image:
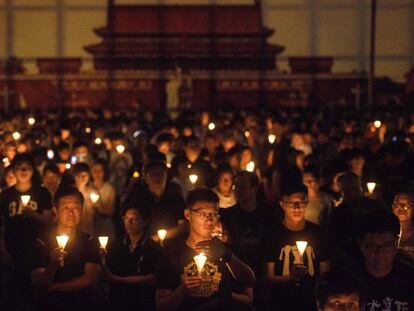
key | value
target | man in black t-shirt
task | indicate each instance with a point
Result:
(25, 211)
(181, 285)
(385, 283)
(63, 277)
(289, 274)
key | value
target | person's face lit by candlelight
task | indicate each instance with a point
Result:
(51, 180)
(68, 211)
(133, 222)
(311, 182)
(294, 206)
(10, 178)
(402, 207)
(23, 172)
(225, 182)
(203, 218)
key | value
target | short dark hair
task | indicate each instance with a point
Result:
(23, 158)
(314, 170)
(53, 168)
(153, 165)
(334, 283)
(67, 191)
(201, 195)
(143, 210)
(80, 168)
(294, 188)
(379, 221)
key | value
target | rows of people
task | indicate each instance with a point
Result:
(242, 189)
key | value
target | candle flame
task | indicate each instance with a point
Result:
(371, 186)
(103, 240)
(162, 233)
(200, 260)
(25, 199)
(62, 240)
(301, 246)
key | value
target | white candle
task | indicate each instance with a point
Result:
(371, 186)
(62, 240)
(377, 124)
(120, 148)
(250, 166)
(98, 141)
(211, 126)
(50, 154)
(301, 245)
(94, 197)
(162, 233)
(193, 178)
(103, 240)
(25, 199)
(16, 135)
(200, 260)
(88, 130)
(31, 121)
(271, 138)
(67, 166)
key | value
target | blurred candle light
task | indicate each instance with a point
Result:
(169, 165)
(193, 178)
(271, 138)
(6, 162)
(50, 154)
(62, 240)
(94, 197)
(98, 141)
(103, 240)
(31, 121)
(200, 260)
(135, 174)
(16, 135)
(250, 166)
(301, 245)
(88, 130)
(25, 199)
(377, 124)
(73, 160)
(371, 187)
(68, 166)
(120, 148)
(247, 134)
(211, 126)
(162, 233)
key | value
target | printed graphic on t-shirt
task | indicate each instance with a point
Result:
(17, 208)
(291, 252)
(387, 304)
(210, 275)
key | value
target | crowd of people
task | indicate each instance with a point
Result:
(231, 210)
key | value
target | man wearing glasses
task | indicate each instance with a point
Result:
(181, 285)
(385, 283)
(291, 276)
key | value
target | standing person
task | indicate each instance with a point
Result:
(51, 178)
(180, 286)
(105, 207)
(385, 283)
(20, 223)
(288, 274)
(68, 286)
(402, 207)
(131, 263)
(224, 187)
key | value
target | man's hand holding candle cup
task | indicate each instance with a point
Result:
(58, 254)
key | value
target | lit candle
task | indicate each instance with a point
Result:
(67, 166)
(247, 134)
(301, 245)
(31, 121)
(193, 178)
(62, 240)
(120, 148)
(16, 135)
(6, 162)
(135, 174)
(94, 197)
(50, 154)
(87, 130)
(371, 186)
(162, 233)
(250, 166)
(211, 126)
(169, 165)
(271, 138)
(98, 141)
(200, 260)
(377, 124)
(25, 199)
(73, 160)
(103, 240)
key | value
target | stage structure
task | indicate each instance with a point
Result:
(177, 57)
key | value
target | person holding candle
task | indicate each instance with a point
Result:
(20, 222)
(51, 178)
(131, 264)
(289, 274)
(67, 286)
(180, 286)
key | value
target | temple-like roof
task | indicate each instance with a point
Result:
(184, 19)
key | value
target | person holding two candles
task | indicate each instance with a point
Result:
(291, 272)
(25, 212)
(187, 283)
(63, 276)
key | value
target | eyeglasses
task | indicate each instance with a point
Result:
(296, 204)
(205, 215)
(387, 247)
(404, 206)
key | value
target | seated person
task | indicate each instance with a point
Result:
(131, 263)
(337, 291)
(63, 277)
(384, 282)
(181, 284)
